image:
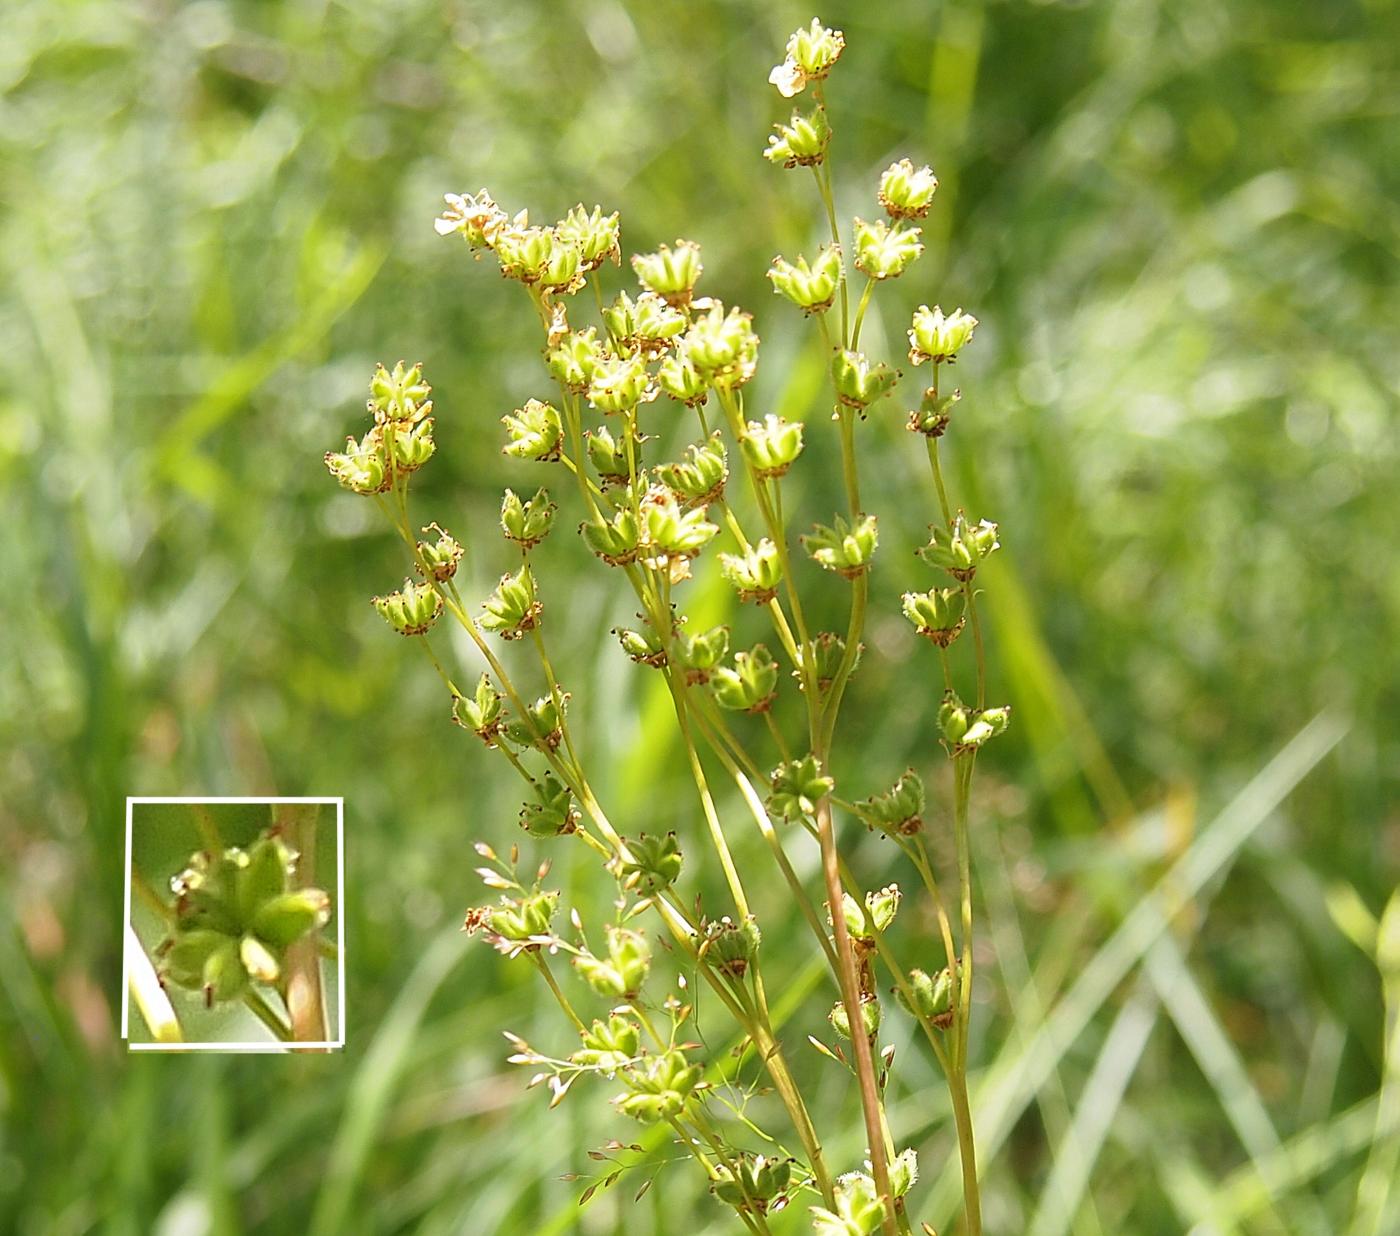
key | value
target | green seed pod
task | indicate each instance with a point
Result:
(263, 877)
(608, 455)
(755, 574)
(534, 432)
(609, 1045)
(411, 445)
(671, 273)
(440, 556)
(681, 380)
(937, 337)
(933, 414)
(616, 541)
(869, 1017)
(647, 325)
(961, 549)
(846, 548)
(527, 523)
(802, 142)
(624, 970)
(594, 234)
(811, 288)
(723, 347)
(620, 383)
(258, 961)
(642, 646)
(699, 479)
(937, 614)
(361, 467)
(772, 445)
(412, 610)
(898, 811)
(932, 997)
(285, 919)
(751, 686)
(401, 395)
(754, 1182)
(796, 787)
(482, 713)
(882, 906)
(732, 947)
(859, 1210)
(542, 726)
(655, 864)
(906, 192)
(904, 1172)
(224, 977)
(185, 954)
(858, 383)
(670, 532)
(884, 250)
(702, 653)
(523, 921)
(661, 1087)
(953, 718)
(524, 252)
(552, 812)
(512, 609)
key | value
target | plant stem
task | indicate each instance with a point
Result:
(305, 999)
(268, 1016)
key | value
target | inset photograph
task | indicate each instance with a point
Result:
(234, 935)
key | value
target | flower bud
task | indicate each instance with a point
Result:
(679, 378)
(512, 609)
(441, 556)
(898, 811)
(533, 432)
(796, 787)
(619, 384)
(772, 446)
(594, 235)
(907, 193)
(723, 347)
(668, 532)
(482, 712)
(754, 574)
(283, 920)
(846, 548)
(542, 725)
(574, 359)
(616, 541)
(858, 383)
(671, 273)
(412, 610)
(609, 1045)
(642, 646)
(802, 142)
(938, 338)
(934, 412)
(869, 1016)
(623, 972)
(608, 455)
(811, 288)
(527, 523)
(699, 478)
(648, 324)
(930, 998)
(653, 866)
(473, 216)
(751, 686)
(661, 1087)
(962, 549)
(401, 395)
(701, 654)
(361, 467)
(884, 250)
(551, 813)
(732, 947)
(936, 614)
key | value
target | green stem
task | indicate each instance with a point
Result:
(268, 1016)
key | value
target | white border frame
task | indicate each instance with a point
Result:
(273, 1047)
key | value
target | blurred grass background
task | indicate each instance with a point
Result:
(1178, 224)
